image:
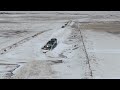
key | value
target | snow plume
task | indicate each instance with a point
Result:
(63, 36)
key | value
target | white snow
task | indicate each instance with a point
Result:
(104, 52)
(99, 31)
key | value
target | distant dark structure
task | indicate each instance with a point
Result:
(65, 25)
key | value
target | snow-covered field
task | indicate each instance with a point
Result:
(88, 47)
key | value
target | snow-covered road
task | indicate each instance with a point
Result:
(88, 46)
(103, 48)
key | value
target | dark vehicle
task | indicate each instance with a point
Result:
(62, 26)
(50, 45)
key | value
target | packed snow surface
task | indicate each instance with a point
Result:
(88, 44)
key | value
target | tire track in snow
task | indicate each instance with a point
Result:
(87, 57)
(13, 46)
(7, 49)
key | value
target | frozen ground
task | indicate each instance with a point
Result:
(88, 47)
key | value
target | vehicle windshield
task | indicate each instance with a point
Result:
(50, 44)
